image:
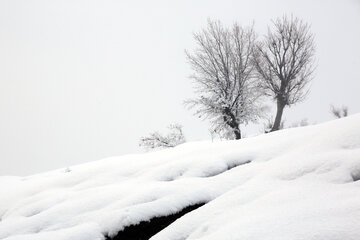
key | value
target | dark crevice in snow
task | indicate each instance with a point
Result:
(229, 167)
(355, 176)
(146, 229)
(233, 165)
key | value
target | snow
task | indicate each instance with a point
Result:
(299, 183)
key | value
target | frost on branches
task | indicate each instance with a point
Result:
(157, 140)
(223, 76)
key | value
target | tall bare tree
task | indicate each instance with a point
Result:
(223, 75)
(285, 62)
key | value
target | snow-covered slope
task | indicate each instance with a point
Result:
(299, 183)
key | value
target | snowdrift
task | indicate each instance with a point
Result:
(300, 183)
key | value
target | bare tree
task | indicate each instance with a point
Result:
(285, 62)
(223, 75)
(157, 140)
(339, 112)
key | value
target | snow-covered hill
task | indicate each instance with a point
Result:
(299, 183)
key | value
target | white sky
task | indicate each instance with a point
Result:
(83, 80)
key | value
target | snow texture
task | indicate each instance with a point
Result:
(299, 184)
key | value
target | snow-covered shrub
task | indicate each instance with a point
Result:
(158, 140)
(304, 122)
(268, 125)
(339, 112)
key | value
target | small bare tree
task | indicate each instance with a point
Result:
(285, 62)
(223, 74)
(339, 112)
(157, 140)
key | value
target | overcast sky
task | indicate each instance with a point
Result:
(83, 80)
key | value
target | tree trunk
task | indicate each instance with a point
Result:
(230, 120)
(279, 112)
(237, 133)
